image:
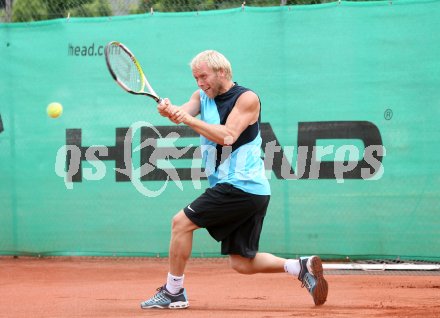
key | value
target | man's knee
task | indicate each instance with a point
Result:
(181, 223)
(241, 264)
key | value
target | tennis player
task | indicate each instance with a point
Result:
(233, 208)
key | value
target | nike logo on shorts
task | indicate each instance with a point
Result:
(189, 208)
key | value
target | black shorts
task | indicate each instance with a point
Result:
(231, 216)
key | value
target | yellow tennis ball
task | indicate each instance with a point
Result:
(54, 110)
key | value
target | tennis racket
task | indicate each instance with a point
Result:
(126, 70)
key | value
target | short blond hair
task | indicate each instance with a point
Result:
(214, 60)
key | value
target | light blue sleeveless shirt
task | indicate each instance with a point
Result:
(241, 164)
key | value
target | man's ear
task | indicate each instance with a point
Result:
(221, 73)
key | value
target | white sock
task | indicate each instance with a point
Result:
(174, 283)
(292, 267)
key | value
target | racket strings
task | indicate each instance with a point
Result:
(126, 70)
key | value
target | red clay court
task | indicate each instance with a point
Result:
(114, 287)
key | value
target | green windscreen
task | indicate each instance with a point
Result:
(350, 127)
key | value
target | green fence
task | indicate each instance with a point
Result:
(357, 82)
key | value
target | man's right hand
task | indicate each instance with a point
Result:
(164, 107)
